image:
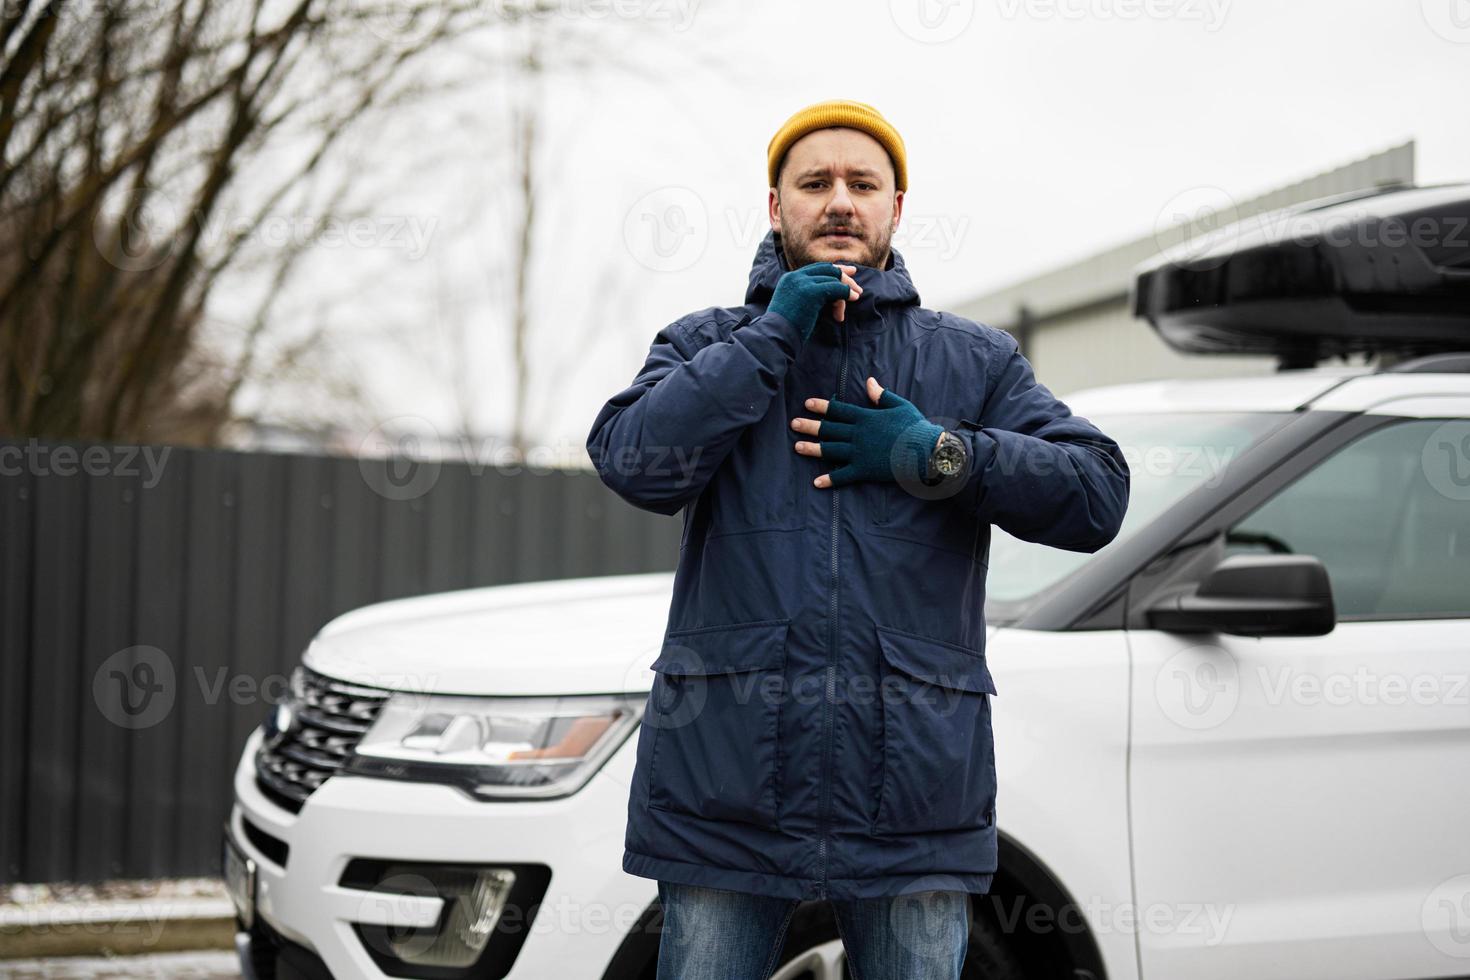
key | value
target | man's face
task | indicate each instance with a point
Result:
(836, 180)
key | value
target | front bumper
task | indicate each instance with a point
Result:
(590, 903)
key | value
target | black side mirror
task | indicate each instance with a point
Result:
(1253, 595)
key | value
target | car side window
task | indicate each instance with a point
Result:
(1388, 515)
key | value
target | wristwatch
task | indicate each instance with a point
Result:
(948, 458)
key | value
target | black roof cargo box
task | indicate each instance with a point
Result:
(1385, 271)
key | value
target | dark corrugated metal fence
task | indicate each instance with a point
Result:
(224, 564)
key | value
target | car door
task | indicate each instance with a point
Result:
(1300, 805)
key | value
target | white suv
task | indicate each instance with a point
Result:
(1234, 742)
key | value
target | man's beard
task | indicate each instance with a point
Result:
(799, 250)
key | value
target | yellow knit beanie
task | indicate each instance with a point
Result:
(839, 112)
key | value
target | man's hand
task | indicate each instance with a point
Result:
(839, 308)
(803, 293)
(887, 443)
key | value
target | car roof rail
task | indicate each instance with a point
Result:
(1454, 362)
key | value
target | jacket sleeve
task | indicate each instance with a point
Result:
(1037, 471)
(658, 442)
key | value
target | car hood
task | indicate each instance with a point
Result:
(570, 636)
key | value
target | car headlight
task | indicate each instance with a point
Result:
(497, 747)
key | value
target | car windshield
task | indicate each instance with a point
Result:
(1168, 455)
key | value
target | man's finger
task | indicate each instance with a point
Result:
(837, 452)
(829, 431)
(841, 476)
(840, 411)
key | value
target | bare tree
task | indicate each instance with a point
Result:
(132, 133)
(125, 129)
(550, 37)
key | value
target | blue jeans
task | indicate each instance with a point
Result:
(713, 934)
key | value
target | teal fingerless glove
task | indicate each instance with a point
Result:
(801, 294)
(890, 443)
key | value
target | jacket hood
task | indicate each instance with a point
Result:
(881, 287)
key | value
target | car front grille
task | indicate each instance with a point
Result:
(328, 719)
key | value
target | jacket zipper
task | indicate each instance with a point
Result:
(831, 684)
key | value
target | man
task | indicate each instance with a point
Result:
(819, 726)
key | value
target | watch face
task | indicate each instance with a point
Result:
(949, 457)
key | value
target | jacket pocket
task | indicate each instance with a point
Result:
(716, 709)
(942, 523)
(938, 756)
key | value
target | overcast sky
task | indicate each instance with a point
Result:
(1038, 131)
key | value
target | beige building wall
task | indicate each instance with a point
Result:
(1108, 346)
(1077, 330)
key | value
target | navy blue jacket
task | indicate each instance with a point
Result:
(820, 721)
